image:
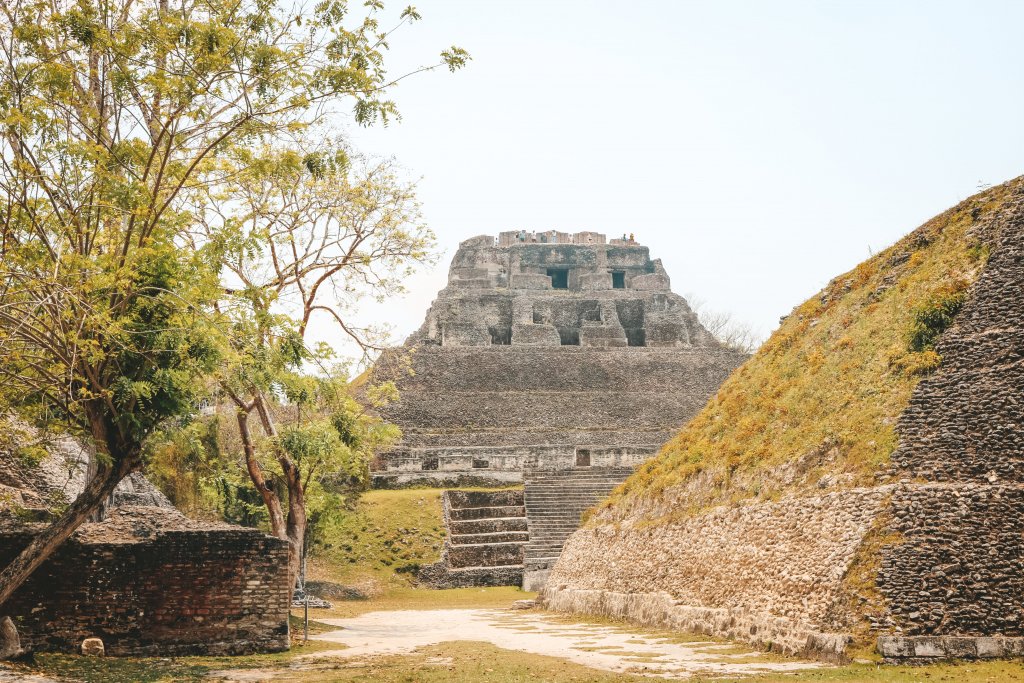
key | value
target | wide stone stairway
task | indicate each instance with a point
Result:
(555, 500)
(487, 536)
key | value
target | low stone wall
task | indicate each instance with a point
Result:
(198, 591)
(766, 573)
(661, 610)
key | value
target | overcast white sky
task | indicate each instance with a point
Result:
(758, 148)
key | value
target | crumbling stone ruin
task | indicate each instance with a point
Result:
(147, 580)
(564, 356)
(919, 553)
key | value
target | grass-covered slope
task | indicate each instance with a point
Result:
(382, 542)
(816, 406)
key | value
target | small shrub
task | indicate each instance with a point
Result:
(932, 319)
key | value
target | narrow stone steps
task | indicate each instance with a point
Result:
(460, 514)
(487, 525)
(555, 502)
(492, 537)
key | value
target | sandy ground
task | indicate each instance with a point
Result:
(610, 648)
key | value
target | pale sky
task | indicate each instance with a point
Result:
(758, 148)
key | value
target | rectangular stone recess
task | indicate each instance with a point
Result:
(501, 335)
(189, 592)
(636, 337)
(618, 279)
(570, 336)
(582, 457)
(559, 278)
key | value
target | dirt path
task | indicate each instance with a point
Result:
(611, 648)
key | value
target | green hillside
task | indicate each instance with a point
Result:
(816, 406)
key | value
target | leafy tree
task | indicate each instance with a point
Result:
(111, 113)
(303, 230)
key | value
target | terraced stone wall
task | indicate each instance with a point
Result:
(485, 539)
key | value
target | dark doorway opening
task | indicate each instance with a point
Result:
(636, 337)
(570, 336)
(582, 457)
(480, 464)
(501, 336)
(618, 280)
(559, 278)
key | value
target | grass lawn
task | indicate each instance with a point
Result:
(407, 597)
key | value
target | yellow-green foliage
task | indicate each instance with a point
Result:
(384, 538)
(823, 393)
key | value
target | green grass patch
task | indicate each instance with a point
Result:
(160, 669)
(382, 541)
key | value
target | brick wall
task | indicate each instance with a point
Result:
(210, 591)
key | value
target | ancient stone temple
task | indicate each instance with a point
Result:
(859, 483)
(562, 360)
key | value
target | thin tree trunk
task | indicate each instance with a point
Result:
(98, 489)
(93, 471)
(296, 519)
(295, 531)
(277, 525)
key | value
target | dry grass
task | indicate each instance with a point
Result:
(822, 395)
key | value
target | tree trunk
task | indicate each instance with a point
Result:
(277, 525)
(296, 518)
(98, 489)
(92, 472)
(295, 531)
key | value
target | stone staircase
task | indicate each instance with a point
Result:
(555, 500)
(486, 540)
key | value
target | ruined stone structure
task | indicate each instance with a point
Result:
(147, 580)
(555, 501)
(535, 350)
(553, 352)
(927, 562)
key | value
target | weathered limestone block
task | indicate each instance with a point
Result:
(93, 647)
(535, 335)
